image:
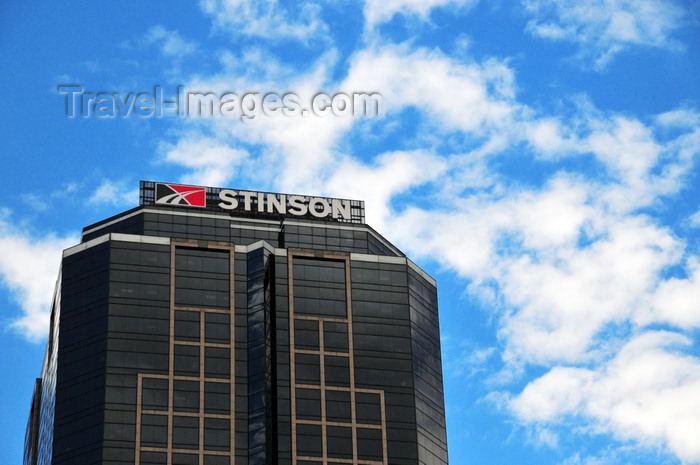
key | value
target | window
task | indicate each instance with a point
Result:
(217, 398)
(154, 430)
(217, 362)
(185, 396)
(337, 371)
(339, 442)
(368, 408)
(217, 328)
(186, 360)
(308, 404)
(338, 407)
(217, 460)
(308, 369)
(202, 278)
(217, 434)
(369, 444)
(319, 287)
(309, 440)
(153, 458)
(306, 334)
(154, 394)
(185, 432)
(185, 459)
(186, 326)
(335, 336)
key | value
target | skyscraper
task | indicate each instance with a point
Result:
(220, 327)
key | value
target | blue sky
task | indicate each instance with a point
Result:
(539, 158)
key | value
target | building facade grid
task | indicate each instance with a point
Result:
(358, 450)
(183, 336)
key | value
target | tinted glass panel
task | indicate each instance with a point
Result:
(308, 370)
(306, 334)
(339, 442)
(338, 407)
(309, 440)
(186, 360)
(217, 327)
(217, 363)
(153, 458)
(368, 408)
(154, 430)
(185, 432)
(185, 459)
(337, 370)
(217, 398)
(216, 434)
(319, 287)
(186, 326)
(369, 444)
(217, 460)
(154, 394)
(335, 336)
(185, 396)
(308, 404)
(202, 278)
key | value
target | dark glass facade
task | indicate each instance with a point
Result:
(186, 336)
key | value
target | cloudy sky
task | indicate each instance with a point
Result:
(539, 158)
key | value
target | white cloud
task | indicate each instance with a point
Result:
(296, 151)
(641, 161)
(680, 118)
(475, 98)
(171, 42)
(212, 162)
(675, 300)
(694, 219)
(604, 28)
(380, 11)
(266, 18)
(115, 193)
(28, 268)
(559, 392)
(393, 173)
(560, 293)
(46, 201)
(549, 138)
(303, 153)
(461, 360)
(646, 163)
(563, 303)
(606, 457)
(646, 394)
(626, 146)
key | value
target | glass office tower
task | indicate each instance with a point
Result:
(224, 327)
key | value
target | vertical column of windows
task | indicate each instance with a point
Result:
(333, 422)
(185, 417)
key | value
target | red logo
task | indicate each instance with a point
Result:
(176, 194)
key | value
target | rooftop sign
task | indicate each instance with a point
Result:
(252, 203)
